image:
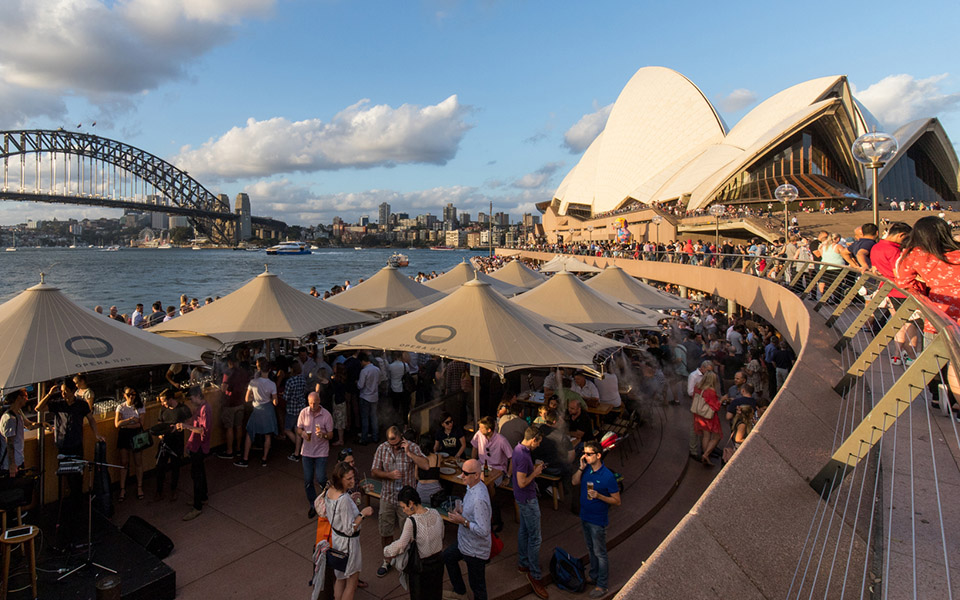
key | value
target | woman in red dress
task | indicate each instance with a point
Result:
(708, 429)
(930, 266)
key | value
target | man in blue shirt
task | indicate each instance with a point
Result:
(524, 478)
(473, 537)
(598, 491)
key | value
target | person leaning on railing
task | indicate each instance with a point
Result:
(930, 266)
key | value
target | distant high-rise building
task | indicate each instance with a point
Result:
(383, 218)
(502, 219)
(364, 220)
(464, 219)
(450, 216)
(242, 208)
(530, 220)
(426, 220)
(483, 218)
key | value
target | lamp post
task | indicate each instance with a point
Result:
(716, 210)
(786, 193)
(873, 150)
(656, 220)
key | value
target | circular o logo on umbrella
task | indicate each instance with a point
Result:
(87, 346)
(436, 334)
(561, 332)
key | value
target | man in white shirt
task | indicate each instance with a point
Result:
(585, 388)
(396, 369)
(609, 389)
(368, 383)
(693, 381)
(137, 318)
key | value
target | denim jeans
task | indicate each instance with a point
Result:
(476, 572)
(596, 538)
(314, 468)
(528, 537)
(368, 421)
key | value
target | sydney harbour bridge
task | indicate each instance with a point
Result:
(66, 167)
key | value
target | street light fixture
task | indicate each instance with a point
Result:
(786, 193)
(656, 220)
(873, 150)
(717, 210)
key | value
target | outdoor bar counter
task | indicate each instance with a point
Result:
(105, 428)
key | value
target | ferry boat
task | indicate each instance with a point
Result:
(398, 260)
(289, 248)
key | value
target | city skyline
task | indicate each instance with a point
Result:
(329, 109)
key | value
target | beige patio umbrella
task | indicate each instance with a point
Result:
(615, 282)
(518, 274)
(388, 291)
(478, 326)
(567, 299)
(46, 336)
(567, 263)
(262, 309)
(464, 272)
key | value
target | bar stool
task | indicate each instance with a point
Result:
(27, 539)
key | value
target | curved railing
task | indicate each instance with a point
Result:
(845, 487)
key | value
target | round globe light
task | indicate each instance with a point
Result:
(717, 209)
(874, 149)
(786, 193)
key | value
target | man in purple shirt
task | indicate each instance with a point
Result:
(494, 451)
(525, 493)
(315, 428)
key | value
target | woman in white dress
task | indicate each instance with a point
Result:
(345, 519)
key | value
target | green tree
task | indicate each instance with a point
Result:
(181, 235)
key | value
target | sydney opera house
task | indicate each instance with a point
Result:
(665, 143)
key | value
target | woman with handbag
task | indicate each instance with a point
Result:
(129, 420)
(706, 421)
(422, 539)
(345, 518)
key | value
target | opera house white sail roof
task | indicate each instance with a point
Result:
(665, 142)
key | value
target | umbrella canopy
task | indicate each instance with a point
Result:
(567, 263)
(264, 308)
(46, 336)
(567, 299)
(464, 272)
(389, 291)
(518, 274)
(616, 283)
(478, 326)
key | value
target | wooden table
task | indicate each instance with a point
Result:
(598, 412)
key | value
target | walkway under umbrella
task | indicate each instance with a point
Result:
(615, 282)
(518, 274)
(476, 325)
(567, 299)
(264, 308)
(388, 292)
(464, 272)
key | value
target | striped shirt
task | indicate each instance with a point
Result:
(295, 394)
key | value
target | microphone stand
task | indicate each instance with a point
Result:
(89, 561)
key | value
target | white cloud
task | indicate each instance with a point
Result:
(360, 136)
(584, 131)
(898, 99)
(736, 100)
(101, 49)
(538, 178)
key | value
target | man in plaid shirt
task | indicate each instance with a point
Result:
(295, 396)
(392, 464)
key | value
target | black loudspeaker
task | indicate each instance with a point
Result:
(148, 536)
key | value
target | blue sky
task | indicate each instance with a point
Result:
(319, 108)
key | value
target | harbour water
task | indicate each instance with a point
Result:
(123, 278)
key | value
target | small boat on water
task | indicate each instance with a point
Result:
(165, 246)
(358, 248)
(289, 248)
(113, 248)
(13, 248)
(398, 259)
(441, 248)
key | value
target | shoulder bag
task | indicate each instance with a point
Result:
(700, 407)
(338, 559)
(142, 441)
(413, 553)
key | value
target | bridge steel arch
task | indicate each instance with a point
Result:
(172, 182)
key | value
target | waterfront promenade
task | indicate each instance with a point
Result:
(253, 539)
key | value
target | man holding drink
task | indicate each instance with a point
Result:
(524, 480)
(599, 490)
(315, 428)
